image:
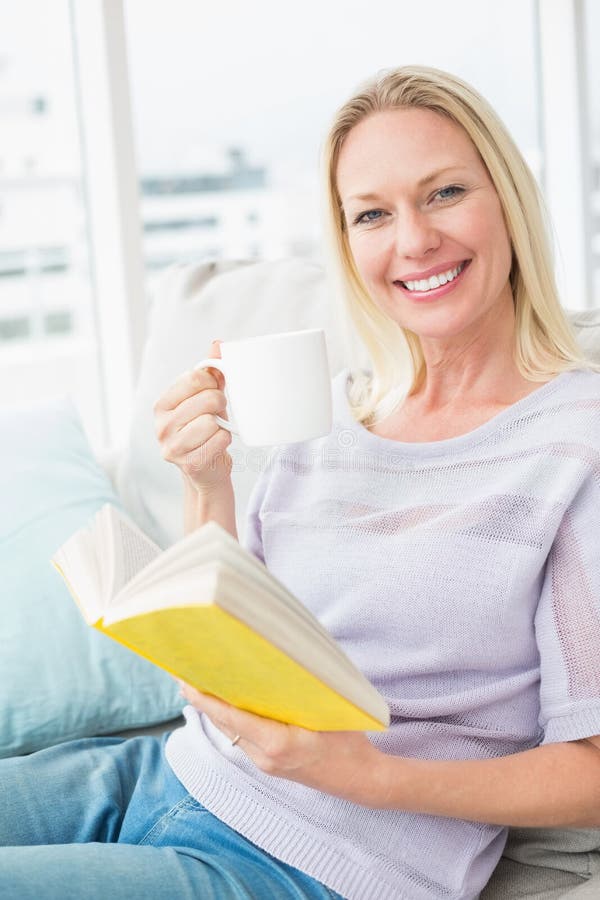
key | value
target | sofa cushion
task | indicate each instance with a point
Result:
(587, 327)
(193, 306)
(59, 678)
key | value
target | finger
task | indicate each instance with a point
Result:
(206, 700)
(215, 353)
(191, 424)
(199, 437)
(194, 437)
(218, 709)
(188, 384)
(211, 454)
(254, 729)
(209, 401)
(193, 381)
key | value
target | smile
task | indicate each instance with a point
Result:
(436, 285)
(428, 284)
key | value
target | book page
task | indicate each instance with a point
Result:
(129, 551)
(250, 593)
(215, 585)
(210, 543)
(207, 577)
(176, 573)
(209, 547)
(78, 563)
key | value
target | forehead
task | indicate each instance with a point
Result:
(405, 144)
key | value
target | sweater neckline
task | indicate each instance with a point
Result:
(447, 445)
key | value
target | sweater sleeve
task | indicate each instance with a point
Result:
(567, 623)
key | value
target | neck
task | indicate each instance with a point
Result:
(476, 368)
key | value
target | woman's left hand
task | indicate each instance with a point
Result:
(342, 763)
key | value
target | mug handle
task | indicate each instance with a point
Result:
(217, 364)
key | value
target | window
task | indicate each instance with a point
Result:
(592, 85)
(14, 327)
(47, 338)
(229, 125)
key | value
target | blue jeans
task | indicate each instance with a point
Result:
(106, 817)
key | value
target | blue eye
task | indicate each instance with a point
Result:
(453, 188)
(359, 219)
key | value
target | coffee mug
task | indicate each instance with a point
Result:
(278, 386)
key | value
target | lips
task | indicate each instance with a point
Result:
(421, 296)
(435, 270)
(434, 281)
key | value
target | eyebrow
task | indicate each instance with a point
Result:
(422, 183)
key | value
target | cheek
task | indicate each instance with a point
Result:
(493, 234)
(501, 250)
(507, 251)
(368, 255)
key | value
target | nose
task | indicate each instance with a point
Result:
(415, 234)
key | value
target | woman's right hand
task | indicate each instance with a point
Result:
(189, 436)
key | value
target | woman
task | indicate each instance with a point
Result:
(449, 549)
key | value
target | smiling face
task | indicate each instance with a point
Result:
(424, 223)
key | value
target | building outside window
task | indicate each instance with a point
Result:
(47, 333)
(230, 124)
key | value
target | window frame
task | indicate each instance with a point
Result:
(113, 204)
(566, 156)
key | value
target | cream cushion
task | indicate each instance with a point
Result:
(193, 306)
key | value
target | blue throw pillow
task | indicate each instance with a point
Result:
(59, 678)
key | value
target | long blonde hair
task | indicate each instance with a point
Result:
(545, 344)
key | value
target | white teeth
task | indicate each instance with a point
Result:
(429, 284)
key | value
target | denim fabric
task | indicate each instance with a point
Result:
(106, 817)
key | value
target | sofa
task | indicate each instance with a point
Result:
(63, 680)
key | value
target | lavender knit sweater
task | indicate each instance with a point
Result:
(463, 577)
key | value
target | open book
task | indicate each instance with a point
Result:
(210, 613)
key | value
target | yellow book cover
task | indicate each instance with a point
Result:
(208, 612)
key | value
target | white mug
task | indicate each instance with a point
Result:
(278, 385)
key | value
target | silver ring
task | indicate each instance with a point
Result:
(236, 739)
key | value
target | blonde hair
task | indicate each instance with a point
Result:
(545, 344)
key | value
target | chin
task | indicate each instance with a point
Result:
(440, 324)
(436, 330)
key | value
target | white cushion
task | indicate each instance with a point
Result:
(193, 306)
(587, 326)
(199, 303)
